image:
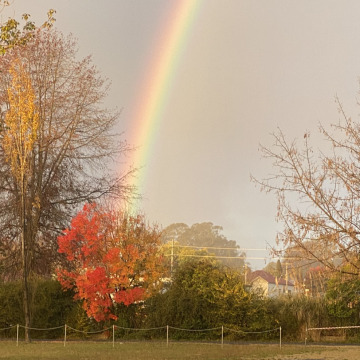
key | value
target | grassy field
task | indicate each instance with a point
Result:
(147, 351)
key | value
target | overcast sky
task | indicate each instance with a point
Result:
(247, 67)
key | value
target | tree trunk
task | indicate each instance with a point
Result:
(26, 301)
(25, 267)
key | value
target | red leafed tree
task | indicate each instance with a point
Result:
(114, 258)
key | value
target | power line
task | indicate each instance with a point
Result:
(228, 257)
(270, 257)
(217, 248)
(219, 257)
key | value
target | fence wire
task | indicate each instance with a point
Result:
(88, 332)
(252, 332)
(8, 328)
(195, 330)
(115, 327)
(139, 329)
(329, 328)
(335, 328)
(44, 329)
(158, 328)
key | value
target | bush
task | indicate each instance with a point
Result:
(50, 307)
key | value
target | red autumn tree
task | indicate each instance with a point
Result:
(114, 259)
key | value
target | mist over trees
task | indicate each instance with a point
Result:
(204, 236)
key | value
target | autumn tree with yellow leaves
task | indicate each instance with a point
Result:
(58, 149)
(20, 132)
(13, 34)
(21, 123)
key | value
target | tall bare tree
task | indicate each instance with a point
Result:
(72, 154)
(318, 194)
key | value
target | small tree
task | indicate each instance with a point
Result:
(113, 258)
(343, 299)
(203, 294)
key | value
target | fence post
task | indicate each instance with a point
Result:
(222, 336)
(113, 335)
(280, 337)
(65, 336)
(17, 335)
(167, 335)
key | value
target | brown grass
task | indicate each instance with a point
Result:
(155, 351)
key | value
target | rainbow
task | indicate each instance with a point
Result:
(173, 36)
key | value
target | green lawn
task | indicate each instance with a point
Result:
(145, 351)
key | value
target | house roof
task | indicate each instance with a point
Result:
(268, 278)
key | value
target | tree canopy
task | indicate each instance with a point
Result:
(203, 294)
(114, 259)
(13, 34)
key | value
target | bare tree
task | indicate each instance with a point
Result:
(318, 194)
(72, 153)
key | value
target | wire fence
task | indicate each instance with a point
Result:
(111, 331)
(327, 328)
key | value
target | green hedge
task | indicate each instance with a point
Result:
(50, 307)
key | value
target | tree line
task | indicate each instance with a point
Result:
(203, 294)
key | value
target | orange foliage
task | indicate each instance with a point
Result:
(115, 257)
